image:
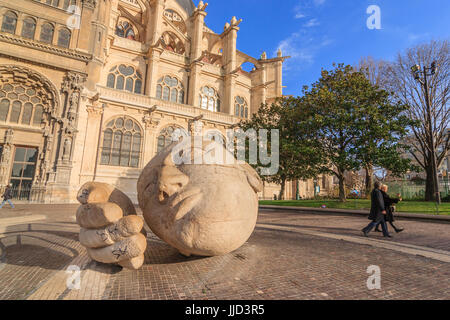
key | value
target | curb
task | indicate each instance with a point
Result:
(414, 216)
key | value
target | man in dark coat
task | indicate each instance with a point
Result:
(388, 204)
(7, 196)
(377, 212)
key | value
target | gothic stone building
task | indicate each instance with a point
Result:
(92, 89)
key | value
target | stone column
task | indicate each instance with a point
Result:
(230, 36)
(194, 84)
(89, 160)
(229, 93)
(152, 71)
(196, 53)
(157, 19)
(19, 24)
(151, 131)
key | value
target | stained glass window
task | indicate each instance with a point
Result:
(124, 29)
(241, 108)
(47, 31)
(28, 28)
(209, 99)
(20, 104)
(9, 22)
(121, 143)
(64, 38)
(170, 89)
(124, 77)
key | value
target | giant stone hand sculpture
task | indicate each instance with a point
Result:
(199, 209)
(109, 236)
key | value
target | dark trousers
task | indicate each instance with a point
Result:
(373, 224)
(392, 224)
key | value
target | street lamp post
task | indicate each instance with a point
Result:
(429, 71)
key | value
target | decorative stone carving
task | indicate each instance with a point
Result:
(67, 149)
(6, 156)
(94, 111)
(150, 122)
(195, 126)
(171, 42)
(214, 59)
(176, 19)
(44, 88)
(91, 4)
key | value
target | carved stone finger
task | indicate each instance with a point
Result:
(94, 216)
(126, 249)
(99, 238)
(133, 264)
(97, 192)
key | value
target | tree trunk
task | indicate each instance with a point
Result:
(342, 196)
(369, 179)
(283, 186)
(429, 184)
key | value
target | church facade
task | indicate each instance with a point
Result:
(93, 89)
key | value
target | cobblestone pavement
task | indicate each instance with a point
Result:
(289, 256)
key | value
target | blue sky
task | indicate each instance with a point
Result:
(317, 33)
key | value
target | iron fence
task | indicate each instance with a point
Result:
(33, 194)
(415, 191)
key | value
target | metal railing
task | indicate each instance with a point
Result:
(33, 194)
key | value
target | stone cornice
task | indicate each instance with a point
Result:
(45, 47)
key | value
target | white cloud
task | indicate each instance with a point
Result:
(302, 48)
(319, 2)
(311, 23)
(299, 15)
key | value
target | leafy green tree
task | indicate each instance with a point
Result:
(388, 125)
(356, 123)
(298, 152)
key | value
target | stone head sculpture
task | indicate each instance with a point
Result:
(199, 209)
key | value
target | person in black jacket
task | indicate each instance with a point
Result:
(388, 204)
(377, 212)
(7, 196)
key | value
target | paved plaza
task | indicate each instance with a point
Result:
(289, 256)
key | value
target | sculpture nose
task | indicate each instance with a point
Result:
(171, 181)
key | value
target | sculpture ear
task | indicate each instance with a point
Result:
(252, 177)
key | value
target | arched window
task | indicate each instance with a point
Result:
(241, 108)
(9, 22)
(124, 77)
(170, 89)
(176, 19)
(122, 141)
(64, 38)
(47, 31)
(209, 99)
(165, 137)
(28, 28)
(20, 104)
(125, 29)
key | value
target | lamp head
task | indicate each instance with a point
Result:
(415, 68)
(434, 67)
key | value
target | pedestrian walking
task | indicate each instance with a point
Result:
(7, 196)
(377, 212)
(389, 206)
